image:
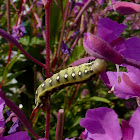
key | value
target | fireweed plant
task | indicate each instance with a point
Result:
(38, 38)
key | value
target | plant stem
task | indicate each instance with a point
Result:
(47, 30)
(8, 15)
(60, 125)
(62, 30)
(47, 68)
(12, 40)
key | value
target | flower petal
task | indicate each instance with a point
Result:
(126, 8)
(135, 123)
(82, 60)
(99, 123)
(124, 89)
(99, 48)
(65, 49)
(132, 50)
(16, 127)
(2, 105)
(127, 130)
(18, 136)
(133, 86)
(134, 74)
(109, 30)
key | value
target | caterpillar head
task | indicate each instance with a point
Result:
(99, 66)
(41, 102)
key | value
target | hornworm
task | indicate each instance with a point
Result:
(69, 76)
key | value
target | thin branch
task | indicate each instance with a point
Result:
(87, 4)
(12, 40)
(47, 68)
(8, 15)
(62, 30)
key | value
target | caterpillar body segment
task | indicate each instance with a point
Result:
(71, 75)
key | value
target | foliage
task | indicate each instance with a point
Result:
(20, 76)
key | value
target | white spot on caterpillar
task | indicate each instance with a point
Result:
(50, 81)
(86, 71)
(35, 101)
(66, 76)
(79, 73)
(73, 74)
(58, 77)
(36, 92)
(43, 85)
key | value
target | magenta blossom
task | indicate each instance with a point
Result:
(2, 122)
(18, 31)
(109, 46)
(22, 135)
(102, 124)
(128, 84)
(65, 49)
(105, 44)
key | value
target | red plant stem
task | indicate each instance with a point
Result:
(8, 15)
(47, 68)
(62, 30)
(72, 48)
(47, 122)
(47, 30)
(20, 9)
(76, 88)
(9, 54)
(60, 125)
(8, 27)
(86, 5)
(14, 42)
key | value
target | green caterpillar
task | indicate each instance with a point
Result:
(71, 75)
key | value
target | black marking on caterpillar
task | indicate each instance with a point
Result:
(66, 77)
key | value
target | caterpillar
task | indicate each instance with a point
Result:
(69, 76)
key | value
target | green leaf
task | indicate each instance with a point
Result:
(77, 53)
(95, 98)
(100, 99)
(11, 63)
(14, 75)
(30, 41)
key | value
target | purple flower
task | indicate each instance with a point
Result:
(2, 122)
(106, 44)
(16, 126)
(84, 93)
(20, 135)
(39, 3)
(65, 49)
(128, 85)
(126, 8)
(79, 2)
(102, 124)
(18, 31)
(100, 2)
